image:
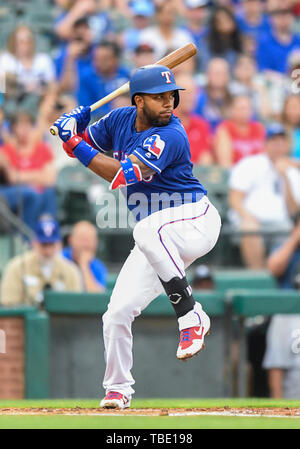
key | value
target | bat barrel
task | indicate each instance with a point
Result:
(178, 56)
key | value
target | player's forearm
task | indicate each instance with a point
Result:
(104, 166)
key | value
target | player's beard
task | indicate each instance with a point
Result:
(154, 119)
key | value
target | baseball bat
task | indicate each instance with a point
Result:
(171, 60)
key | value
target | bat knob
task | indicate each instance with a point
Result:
(54, 130)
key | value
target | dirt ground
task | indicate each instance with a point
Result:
(221, 411)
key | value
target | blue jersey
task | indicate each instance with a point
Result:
(164, 149)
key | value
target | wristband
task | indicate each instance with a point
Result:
(84, 153)
(129, 173)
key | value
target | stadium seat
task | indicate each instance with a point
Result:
(243, 279)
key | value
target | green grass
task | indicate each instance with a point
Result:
(141, 422)
(148, 422)
(154, 403)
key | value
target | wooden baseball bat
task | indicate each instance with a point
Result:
(172, 60)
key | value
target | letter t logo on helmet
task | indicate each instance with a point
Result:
(167, 76)
(153, 79)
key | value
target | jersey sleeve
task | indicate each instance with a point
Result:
(161, 149)
(100, 133)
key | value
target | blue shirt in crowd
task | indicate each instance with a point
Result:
(83, 63)
(253, 30)
(272, 54)
(97, 267)
(93, 86)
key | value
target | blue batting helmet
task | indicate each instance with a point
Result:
(153, 79)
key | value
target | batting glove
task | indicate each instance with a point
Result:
(67, 127)
(82, 115)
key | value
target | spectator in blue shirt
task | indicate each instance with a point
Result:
(83, 243)
(273, 48)
(103, 77)
(251, 18)
(75, 57)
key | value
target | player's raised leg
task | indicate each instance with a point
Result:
(171, 240)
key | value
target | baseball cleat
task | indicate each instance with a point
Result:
(113, 399)
(192, 338)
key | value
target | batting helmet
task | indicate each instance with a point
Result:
(153, 79)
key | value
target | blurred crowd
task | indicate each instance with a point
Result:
(240, 109)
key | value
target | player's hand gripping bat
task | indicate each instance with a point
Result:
(172, 60)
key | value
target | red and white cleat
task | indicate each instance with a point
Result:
(113, 399)
(192, 337)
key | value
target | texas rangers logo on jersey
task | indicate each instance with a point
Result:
(155, 145)
(167, 76)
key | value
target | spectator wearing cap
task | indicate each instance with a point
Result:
(264, 196)
(274, 47)
(83, 247)
(165, 36)
(239, 136)
(142, 12)
(251, 18)
(27, 276)
(106, 74)
(202, 278)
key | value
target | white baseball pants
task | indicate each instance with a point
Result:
(166, 242)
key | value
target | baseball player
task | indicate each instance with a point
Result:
(175, 223)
